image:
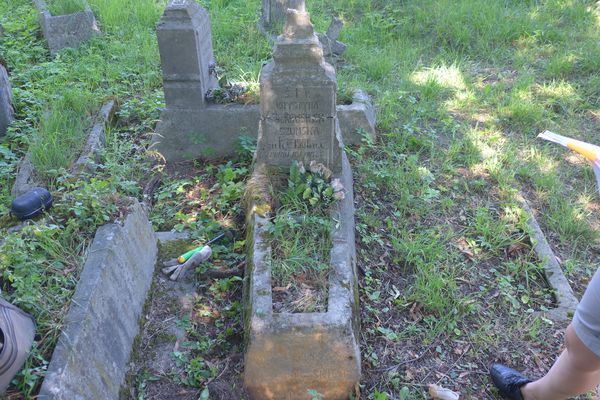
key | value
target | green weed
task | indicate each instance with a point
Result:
(64, 7)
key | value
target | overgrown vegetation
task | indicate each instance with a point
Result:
(300, 239)
(64, 7)
(462, 88)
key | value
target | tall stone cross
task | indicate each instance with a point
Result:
(298, 100)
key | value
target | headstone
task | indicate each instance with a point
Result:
(186, 52)
(6, 109)
(70, 30)
(298, 100)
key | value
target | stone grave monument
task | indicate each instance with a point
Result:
(191, 127)
(69, 30)
(288, 354)
(6, 109)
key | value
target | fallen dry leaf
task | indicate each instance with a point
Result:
(440, 393)
(464, 248)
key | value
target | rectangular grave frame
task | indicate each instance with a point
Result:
(277, 363)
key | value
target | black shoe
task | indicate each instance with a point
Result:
(508, 381)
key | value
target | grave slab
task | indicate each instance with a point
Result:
(6, 109)
(91, 358)
(69, 30)
(214, 132)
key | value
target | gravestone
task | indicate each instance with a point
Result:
(289, 353)
(70, 30)
(274, 16)
(191, 127)
(298, 101)
(6, 109)
(186, 53)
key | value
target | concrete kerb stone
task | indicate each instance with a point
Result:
(565, 298)
(213, 132)
(96, 140)
(91, 358)
(6, 108)
(69, 30)
(25, 179)
(166, 237)
(288, 354)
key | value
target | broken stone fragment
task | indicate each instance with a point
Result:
(6, 109)
(331, 46)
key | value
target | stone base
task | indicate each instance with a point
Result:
(214, 132)
(69, 30)
(92, 355)
(289, 354)
(357, 119)
(209, 133)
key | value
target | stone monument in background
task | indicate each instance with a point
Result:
(190, 127)
(186, 53)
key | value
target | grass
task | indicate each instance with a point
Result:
(55, 101)
(462, 88)
(300, 240)
(64, 7)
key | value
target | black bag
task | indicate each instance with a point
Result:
(31, 204)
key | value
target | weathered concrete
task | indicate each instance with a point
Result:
(171, 236)
(91, 358)
(273, 12)
(213, 132)
(192, 128)
(565, 298)
(6, 109)
(331, 45)
(357, 119)
(186, 53)
(69, 30)
(298, 100)
(287, 354)
(25, 180)
(96, 140)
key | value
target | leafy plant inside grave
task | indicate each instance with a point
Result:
(300, 238)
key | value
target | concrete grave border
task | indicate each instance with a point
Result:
(7, 112)
(96, 138)
(91, 358)
(69, 30)
(565, 298)
(287, 354)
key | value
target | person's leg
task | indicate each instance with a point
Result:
(576, 371)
